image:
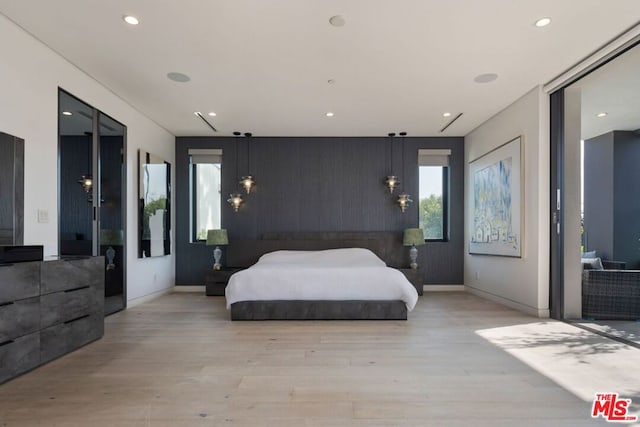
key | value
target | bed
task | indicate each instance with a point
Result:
(316, 283)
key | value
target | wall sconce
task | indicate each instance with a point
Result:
(235, 200)
(404, 200)
(86, 181)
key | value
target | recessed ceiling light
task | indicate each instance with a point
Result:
(131, 20)
(329, 114)
(178, 77)
(543, 22)
(331, 81)
(67, 113)
(446, 114)
(197, 113)
(337, 21)
(602, 114)
(485, 78)
(212, 114)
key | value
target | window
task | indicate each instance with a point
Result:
(206, 178)
(434, 193)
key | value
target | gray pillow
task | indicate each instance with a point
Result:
(592, 263)
(590, 254)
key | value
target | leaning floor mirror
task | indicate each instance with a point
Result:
(154, 221)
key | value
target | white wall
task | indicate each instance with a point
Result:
(521, 283)
(30, 74)
(572, 268)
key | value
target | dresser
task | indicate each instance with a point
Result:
(48, 309)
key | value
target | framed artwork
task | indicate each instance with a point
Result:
(496, 205)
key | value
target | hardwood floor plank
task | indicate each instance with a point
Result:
(179, 361)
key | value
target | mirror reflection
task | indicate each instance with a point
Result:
(154, 208)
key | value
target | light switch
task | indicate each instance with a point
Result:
(43, 216)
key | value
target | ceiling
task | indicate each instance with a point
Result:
(264, 66)
(613, 89)
(76, 118)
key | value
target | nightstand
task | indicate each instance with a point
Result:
(216, 280)
(414, 276)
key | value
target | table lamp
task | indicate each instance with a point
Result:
(111, 238)
(217, 237)
(413, 237)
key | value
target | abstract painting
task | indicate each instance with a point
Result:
(496, 221)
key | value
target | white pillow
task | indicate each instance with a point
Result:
(590, 254)
(345, 257)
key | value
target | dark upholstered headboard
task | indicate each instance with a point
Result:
(386, 244)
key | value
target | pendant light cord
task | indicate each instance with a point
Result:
(391, 135)
(403, 134)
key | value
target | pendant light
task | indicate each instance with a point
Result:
(404, 200)
(391, 181)
(247, 181)
(235, 199)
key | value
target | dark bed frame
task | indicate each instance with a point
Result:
(386, 245)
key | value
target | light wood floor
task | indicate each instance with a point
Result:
(458, 361)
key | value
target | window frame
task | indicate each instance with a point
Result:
(216, 154)
(446, 175)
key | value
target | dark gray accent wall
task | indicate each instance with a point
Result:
(320, 184)
(611, 207)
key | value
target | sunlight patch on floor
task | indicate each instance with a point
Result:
(579, 361)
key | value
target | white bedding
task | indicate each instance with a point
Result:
(334, 274)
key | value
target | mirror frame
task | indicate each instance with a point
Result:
(148, 245)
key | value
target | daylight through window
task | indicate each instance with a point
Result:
(206, 180)
(433, 192)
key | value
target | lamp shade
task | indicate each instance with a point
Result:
(217, 237)
(413, 236)
(110, 237)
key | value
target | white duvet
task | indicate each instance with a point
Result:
(334, 274)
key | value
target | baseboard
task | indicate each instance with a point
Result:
(195, 288)
(532, 311)
(146, 298)
(443, 288)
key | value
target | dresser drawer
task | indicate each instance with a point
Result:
(19, 318)
(70, 335)
(19, 355)
(60, 307)
(63, 275)
(19, 281)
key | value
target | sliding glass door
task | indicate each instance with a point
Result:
(92, 185)
(595, 150)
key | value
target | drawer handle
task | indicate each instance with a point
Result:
(76, 289)
(6, 343)
(6, 265)
(6, 303)
(76, 319)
